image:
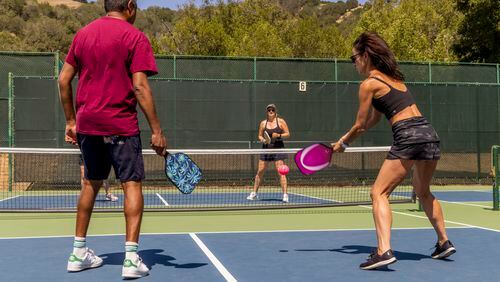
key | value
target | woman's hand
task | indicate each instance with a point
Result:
(276, 135)
(337, 147)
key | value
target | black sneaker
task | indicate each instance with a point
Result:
(445, 250)
(375, 260)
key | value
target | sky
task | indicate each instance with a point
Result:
(174, 4)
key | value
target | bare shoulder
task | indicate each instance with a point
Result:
(371, 85)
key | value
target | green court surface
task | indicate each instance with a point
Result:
(477, 214)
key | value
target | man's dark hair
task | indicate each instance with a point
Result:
(117, 5)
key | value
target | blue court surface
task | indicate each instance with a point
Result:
(158, 200)
(460, 196)
(262, 256)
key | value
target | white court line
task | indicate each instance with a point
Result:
(233, 232)
(10, 198)
(465, 204)
(318, 198)
(213, 259)
(163, 200)
(447, 221)
(484, 191)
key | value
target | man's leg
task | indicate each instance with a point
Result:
(88, 194)
(96, 167)
(82, 257)
(134, 206)
(129, 168)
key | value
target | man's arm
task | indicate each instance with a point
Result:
(66, 96)
(144, 97)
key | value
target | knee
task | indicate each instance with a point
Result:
(424, 195)
(377, 194)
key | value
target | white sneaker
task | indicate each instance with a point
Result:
(285, 198)
(111, 197)
(89, 260)
(134, 268)
(252, 196)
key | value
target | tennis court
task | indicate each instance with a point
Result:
(217, 234)
(239, 240)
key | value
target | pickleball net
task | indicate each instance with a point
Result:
(49, 180)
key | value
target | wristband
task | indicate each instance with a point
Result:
(343, 144)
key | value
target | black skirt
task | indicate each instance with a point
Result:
(414, 139)
(278, 144)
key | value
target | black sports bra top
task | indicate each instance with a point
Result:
(393, 102)
(277, 130)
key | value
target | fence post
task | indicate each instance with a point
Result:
(430, 72)
(10, 126)
(495, 170)
(254, 68)
(498, 73)
(336, 71)
(175, 66)
(56, 64)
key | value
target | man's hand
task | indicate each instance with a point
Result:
(70, 133)
(159, 143)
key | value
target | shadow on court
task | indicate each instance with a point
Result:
(151, 258)
(360, 249)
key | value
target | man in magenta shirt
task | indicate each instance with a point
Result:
(113, 60)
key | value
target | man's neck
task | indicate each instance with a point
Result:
(116, 15)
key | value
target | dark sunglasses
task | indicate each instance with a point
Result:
(271, 110)
(353, 58)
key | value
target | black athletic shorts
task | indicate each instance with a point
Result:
(414, 139)
(123, 153)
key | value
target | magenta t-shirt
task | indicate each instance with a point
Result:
(106, 53)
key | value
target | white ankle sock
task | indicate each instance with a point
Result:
(131, 250)
(79, 246)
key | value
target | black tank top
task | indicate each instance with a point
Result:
(393, 102)
(275, 142)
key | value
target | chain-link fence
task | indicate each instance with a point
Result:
(213, 103)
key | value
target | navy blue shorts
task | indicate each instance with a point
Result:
(123, 153)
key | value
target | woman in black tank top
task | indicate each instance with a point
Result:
(415, 144)
(277, 129)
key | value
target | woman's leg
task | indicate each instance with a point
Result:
(283, 181)
(422, 176)
(260, 174)
(392, 173)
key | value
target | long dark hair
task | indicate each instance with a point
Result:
(380, 54)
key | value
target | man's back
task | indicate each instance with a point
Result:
(106, 53)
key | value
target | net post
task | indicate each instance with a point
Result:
(495, 170)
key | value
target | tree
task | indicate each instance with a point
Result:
(417, 30)
(307, 39)
(479, 32)
(10, 42)
(46, 34)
